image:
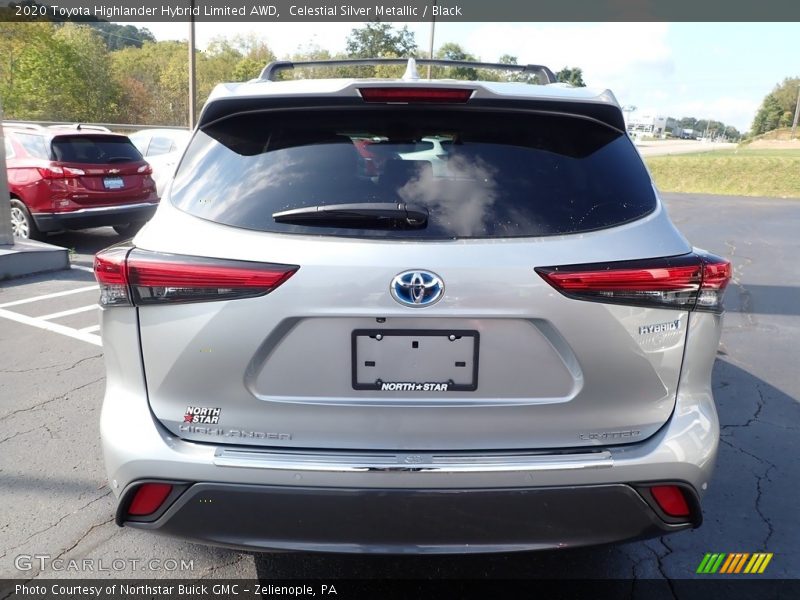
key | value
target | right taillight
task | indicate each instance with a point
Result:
(693, 281)
(136, 277)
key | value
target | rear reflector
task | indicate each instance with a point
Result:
(689, 282)
(148, 498)
(139, 277)
(671, 500)
(406, 94)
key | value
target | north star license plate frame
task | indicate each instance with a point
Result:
(410, 334)
(113, 182)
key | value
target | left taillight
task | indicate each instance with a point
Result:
(130, 276)
(693, 281)
(110, 272)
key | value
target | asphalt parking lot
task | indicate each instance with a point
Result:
(56, 504)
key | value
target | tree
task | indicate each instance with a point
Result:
(375, 40)
(453, 51)
(310, 52)
(768, 116)
(154, 79)
(94, 91)
(774, 108)
(732, 133)
(508, 59)
(50, 72)
(572, 76)
(257, 54)
(118, 37)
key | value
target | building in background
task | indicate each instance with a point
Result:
(640, 125)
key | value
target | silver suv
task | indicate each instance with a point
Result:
(327, 340)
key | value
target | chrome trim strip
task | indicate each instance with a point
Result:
(424, 462)
(99, 209)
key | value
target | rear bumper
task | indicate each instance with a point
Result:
(380, 501)
(95, 217)
(405, 521)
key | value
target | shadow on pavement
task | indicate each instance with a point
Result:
(747, 406)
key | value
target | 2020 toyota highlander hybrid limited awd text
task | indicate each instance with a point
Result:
(330, 338)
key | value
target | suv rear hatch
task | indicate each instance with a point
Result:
(323, 355)
(99, 170)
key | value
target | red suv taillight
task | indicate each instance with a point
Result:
(688, 282)
(51, 172)
(137, 277)
(54, 171)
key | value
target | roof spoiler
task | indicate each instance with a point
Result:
(272, 69)
(81, 127)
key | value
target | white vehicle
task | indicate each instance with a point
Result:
(162, 148)
(304, 353)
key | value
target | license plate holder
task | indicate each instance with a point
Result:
(113, 183)
(414, 360)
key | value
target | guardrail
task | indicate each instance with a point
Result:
(112, 126)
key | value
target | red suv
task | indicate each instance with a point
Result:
(74, 178)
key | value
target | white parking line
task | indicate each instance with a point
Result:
(54, 327)
(82, 268)
(48, 296)
(66, 313)
(85, 335)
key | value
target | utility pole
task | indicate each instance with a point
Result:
(430, 47)
(796, 114)
(192, 79)
(6, 239)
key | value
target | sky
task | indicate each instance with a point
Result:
(718, 71)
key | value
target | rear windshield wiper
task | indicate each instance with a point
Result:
(370, 215)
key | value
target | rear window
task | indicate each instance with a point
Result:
(480, 173)
(34, 145)
(8, 148)
(94, 150)
(160, 145)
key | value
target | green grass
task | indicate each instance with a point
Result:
(736, 172)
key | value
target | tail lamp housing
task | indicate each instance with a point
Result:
(694, 281)
(133, 277)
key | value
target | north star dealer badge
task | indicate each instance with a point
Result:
(405, 386)
(201, 414)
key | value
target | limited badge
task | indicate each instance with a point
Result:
(202, 414)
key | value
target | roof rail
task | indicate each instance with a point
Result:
(20, 125)
(269, 72)
(81, 127)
